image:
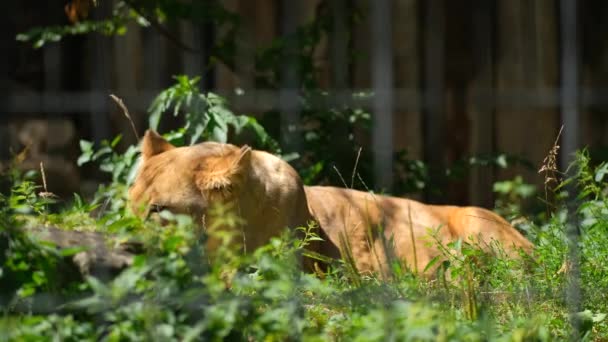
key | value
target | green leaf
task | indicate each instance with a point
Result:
(83, 159)
(39, 278)
(601, 171)
(501, 161)
(116, 140)
(26, 291)
(86, 146)
(101, 152)
(598, 317)
(431, 263)
(65, 252)
(97, 286)
(156, 111)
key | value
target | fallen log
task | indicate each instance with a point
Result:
(99, 258)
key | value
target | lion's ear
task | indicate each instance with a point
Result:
(153, 144)
(223, 172)
(242, 157)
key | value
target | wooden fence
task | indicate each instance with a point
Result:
(451, 78)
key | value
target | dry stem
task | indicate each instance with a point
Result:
(45, 193)
(549, 166)
(126, 112)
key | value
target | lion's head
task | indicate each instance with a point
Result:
(261, 189)
(186, 179)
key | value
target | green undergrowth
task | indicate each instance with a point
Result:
(175, 291)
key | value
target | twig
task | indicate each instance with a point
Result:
(352, 177)
(363, 183)
(43, 176)
(160, 28)
(340, 175)
(409, 214)
(126, 112)
(45, 193)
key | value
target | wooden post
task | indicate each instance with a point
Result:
(526, 68)
(196, 63)
(288, 94)
(481, 97)
(339, 46)
(569, 82)
(100, 67)
(382, 82)
(7, 64)
(127, 51)
(225, 78)
(407, 119)
(434, 94)
(154, 64)
(192, 63)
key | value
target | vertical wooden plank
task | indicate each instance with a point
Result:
(407, 120)
(259, 28)
(458, 75)
(100, 71)
(261, 25)
(245, 58)
(52, 67)
(52, 85)
(8, 61)
(196, 63)
(594, 76)
(154, 66)
(434, 93)
(154, 63)
(362, 45)
(192, 63)
(288, 94)
(265, 21)
(225, 79)
(510, 77)
(338, 72)
(207, 40)
(339, 46)
(481, 100)
(569, 81)
(127, 53)
(526, 69)
(382, 81)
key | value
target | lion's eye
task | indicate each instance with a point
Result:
(222, 188)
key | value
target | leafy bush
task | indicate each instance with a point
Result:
(176, 291)
(206, 116)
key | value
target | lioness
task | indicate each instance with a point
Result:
(268, 194)
(264, 190)
(353, 219)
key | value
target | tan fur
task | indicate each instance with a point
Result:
(264, 190)
(357, 218)
(268, 194)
